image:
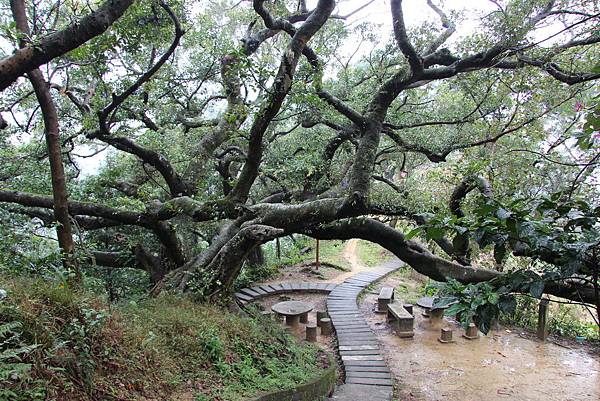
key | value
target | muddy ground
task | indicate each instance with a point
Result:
(507, 364)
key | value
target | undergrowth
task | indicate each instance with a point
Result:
(56, 344)
(564, 320)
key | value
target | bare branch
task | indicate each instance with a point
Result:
(414, 60)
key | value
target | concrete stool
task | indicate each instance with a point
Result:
(311, 332)
(320, 315)
(304, 318)
(472, 332)
(386, 297)
(446, 335)
(326, 326)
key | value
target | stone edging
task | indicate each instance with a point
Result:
(317, 389)
(249, 295)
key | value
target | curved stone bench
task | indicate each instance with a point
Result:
(251, 294)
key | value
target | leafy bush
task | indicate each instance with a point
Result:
(564, 320)
(478, 303)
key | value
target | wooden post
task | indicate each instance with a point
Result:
(542, 329)
(317, 263)
(277, 248)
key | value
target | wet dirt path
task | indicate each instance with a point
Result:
(500, 366)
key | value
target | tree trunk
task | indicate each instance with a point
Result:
(256, 258)
(317, 263)
(51, 132)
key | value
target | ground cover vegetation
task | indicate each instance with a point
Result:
(59, 344)
(156, 146)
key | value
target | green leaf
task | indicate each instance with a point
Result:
(413, 233)
(536, 289)
(499, 253)
(455, 309)
(435, 233)
(508, 304)
(442, 302)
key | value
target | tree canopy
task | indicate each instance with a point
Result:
(466, 143)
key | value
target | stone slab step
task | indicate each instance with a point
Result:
(360, 392)
(248, 291)
(243, 297)
(356, 347)
(362, 358)
(361, 352)
(259, 290)
(384, 369)
(369, 381)
(365, 363)
(372, 375)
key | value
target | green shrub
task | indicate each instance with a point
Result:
(564, 319)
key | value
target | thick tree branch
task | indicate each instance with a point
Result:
(449, 26)
(61, 42)
(425, 262)
(278, 91)
(104, 114)
(414, 60)
(177, 187)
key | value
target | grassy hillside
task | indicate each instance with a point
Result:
(56, 344)
(371, 254)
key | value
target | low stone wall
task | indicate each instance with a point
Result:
(317, 389)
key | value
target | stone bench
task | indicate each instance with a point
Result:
(386, 296)
(401, 320)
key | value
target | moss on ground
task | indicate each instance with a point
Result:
(56, 344)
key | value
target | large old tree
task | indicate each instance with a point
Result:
(225, 125)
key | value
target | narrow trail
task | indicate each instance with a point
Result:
(350, 253)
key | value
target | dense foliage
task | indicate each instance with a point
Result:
(192, 134)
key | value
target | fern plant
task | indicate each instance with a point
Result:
(13, 353)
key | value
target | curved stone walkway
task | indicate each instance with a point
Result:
(367, 375)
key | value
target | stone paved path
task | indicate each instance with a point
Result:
(367, 375)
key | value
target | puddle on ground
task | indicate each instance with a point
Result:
(500, 366)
